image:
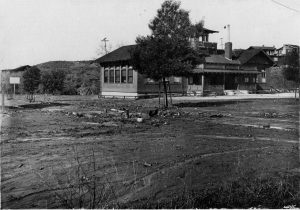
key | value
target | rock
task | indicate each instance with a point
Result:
(140, 120)
(19, 166)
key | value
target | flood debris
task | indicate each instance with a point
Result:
(147, 164)
(140, 119)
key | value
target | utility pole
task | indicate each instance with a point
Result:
(105, 40)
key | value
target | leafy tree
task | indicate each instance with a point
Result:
(291, 70)
(167, 51)
(31, 81)
(53, 81)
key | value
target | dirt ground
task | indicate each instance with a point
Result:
(193, 145)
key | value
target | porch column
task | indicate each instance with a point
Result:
(223, 81)
(202, 82)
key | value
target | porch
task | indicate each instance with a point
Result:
(219, 82)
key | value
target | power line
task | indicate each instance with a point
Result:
(276, 2)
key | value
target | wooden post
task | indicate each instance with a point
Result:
(202, 82)
(223, 82)
(2, 98)
(14, 90)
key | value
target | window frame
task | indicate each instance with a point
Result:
(111, 75)
(123, 77)
(117, 77)
(105, 76)
(130, 76)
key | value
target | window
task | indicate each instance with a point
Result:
(254, 79)
(111, 76)
(123, 76)
(117, 76)
(130, 76)
(105, 76)
(246, 79)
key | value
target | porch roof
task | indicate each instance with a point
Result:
(227, 71)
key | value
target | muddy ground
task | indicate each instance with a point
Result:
(193, 145)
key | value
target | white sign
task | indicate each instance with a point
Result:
(14, 80)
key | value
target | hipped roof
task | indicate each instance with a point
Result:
(120, 54)
(220, 59)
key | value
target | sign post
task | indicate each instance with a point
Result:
(14, 81)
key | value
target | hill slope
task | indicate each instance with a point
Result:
(82, 77)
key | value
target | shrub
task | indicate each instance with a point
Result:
(53, 81)
(31, 79)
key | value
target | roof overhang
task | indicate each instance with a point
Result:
(227, 71)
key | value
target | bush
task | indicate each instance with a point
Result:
(53, 81)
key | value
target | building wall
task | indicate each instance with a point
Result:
(146, 87)
(119, 87)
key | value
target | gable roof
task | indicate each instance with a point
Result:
(220, 59)
(120, 54)
(250, 53)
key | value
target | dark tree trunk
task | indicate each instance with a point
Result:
(165, 92)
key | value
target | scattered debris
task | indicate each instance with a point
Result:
(153, 113)
(266, 126)
(147, 164)
(216, 116)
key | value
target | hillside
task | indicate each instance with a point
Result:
(82, 77)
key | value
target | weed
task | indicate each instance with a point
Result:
(80, 186)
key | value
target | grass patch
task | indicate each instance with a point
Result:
(269, 192)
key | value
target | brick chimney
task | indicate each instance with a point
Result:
(228, 50)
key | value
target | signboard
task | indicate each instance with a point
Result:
(14, 80)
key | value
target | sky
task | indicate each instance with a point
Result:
(37, 31)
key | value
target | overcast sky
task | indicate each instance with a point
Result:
(36, 31)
